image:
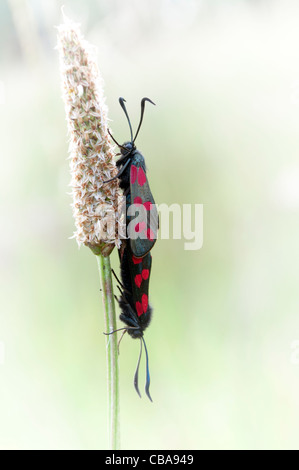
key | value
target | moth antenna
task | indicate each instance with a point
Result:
(142, 113)
(137, 371)
(122, 103)
(148, 379)
(115, 141)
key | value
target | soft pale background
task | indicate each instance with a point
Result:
(225, 133)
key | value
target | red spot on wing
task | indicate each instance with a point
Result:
(147, 205)
(140, 227)
(138, 280)
(141, 177)
(139, 309)
(145, 274)
(136, 260)
(133, 174)
(150, 234)
(137, 200)
(144, 301)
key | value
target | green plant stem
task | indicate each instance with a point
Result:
(111, 351)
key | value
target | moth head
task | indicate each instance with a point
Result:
(127, 148)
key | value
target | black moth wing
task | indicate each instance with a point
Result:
(136, 312)
(135, 275)
(143, 235)
(140, 270)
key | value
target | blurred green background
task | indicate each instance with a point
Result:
(224, 133)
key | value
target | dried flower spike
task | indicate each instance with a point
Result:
(95, 205)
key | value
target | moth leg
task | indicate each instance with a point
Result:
(120, 283)
(120, 340)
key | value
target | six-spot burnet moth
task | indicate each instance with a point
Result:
(134, 254)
